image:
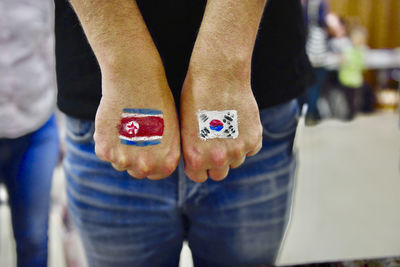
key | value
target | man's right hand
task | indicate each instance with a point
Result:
(132, 77)
(126, 89)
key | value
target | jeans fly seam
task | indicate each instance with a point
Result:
(181, 185)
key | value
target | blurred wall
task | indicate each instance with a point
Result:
(380, 17)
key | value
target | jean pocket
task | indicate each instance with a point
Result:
(280, 121)
(80, 131)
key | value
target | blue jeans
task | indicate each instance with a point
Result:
(238, 221)
(313, 93)
(26, 168)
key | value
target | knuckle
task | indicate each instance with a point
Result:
(122, 161)
(238, 163)
(140, 167)
(117, 168)
(143, 170)
(141, 173)
(170, 163)
(96, 137)
(194, 161)
(258, 135)
(101, 153)
(238, 150)
(237, 153)
(254, 143)
(172, 159)
(255, 150)
(100, 139)
(176, 156)
(219, 157)
(168, 169)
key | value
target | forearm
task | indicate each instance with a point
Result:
(227, 35)
(118, 35)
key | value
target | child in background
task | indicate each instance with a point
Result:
(351, 67)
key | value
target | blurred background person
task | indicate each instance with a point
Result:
(339, 40)
(346, 74)
(351, 67)
(28, 131)
(317, 47)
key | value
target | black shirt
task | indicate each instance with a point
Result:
(280, 68)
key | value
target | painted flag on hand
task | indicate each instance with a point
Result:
(141, 127)
(217, 124)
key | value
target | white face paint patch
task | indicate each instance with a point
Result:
(218, 124)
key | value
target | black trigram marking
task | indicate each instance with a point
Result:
(230, 131)
(228, 118)
(204, 132)
(203, 117)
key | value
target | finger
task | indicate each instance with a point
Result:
(156, 177)
(136, 174)
(141, 170)
(121, 162)
(196, 176)
(218, 174)
(255, 151)
(163, 171)
(238, 162)
(104, 153)
(117, 167)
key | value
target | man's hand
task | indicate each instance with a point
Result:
(119, 92)
(132, 77)
(218, 79)
(214, 157)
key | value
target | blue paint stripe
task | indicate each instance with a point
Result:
(140, 143)
(143, 111)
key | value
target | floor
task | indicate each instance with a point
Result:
(347, 196)
(345, 206)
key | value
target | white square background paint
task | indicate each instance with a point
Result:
(227, 119)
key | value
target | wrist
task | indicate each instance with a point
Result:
(223, 68)
(129, 59)
(214, 58)
(136, 76)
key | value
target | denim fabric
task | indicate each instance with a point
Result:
(26, 168)
(239, 221)
(313, 93)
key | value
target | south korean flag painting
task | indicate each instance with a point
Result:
(218, 124)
